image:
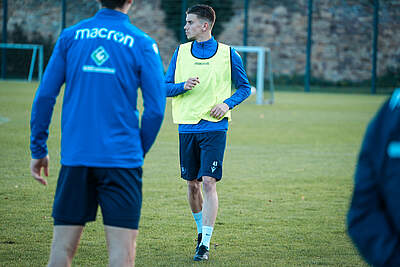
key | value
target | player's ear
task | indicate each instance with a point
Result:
(206, 26)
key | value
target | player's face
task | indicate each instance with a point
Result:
(194, 27)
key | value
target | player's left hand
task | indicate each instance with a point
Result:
(219, 111)
(36, 167)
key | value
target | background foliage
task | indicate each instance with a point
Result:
(173, 17)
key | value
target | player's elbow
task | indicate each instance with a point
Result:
(351, 226)
(44, 98)
(156, 115)
(248, 91)
(354, 219)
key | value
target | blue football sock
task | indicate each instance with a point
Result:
(207, 233)
(198, 218)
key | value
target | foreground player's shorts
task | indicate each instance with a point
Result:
(80, 190)
(201, 154)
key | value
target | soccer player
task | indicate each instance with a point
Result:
(373, 219)
(102, 61)
(199, 80)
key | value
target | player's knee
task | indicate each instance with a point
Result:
(122, 257)
(194, 187)
(209, 185)
(61, 253)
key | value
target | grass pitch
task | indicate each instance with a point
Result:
(287, 182)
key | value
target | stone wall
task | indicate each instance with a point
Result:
(342, 32)
(342, 37)
(44, 16)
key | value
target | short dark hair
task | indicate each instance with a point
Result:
(203, 12)
(112, 4)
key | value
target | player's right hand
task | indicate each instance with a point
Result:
(191, 83)
(36, 168)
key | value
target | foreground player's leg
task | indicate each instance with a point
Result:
(210, 210)
(121, 244)
(65, 242)
(196, 204)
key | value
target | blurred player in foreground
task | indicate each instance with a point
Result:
(374, 216)
(102, 61)
(199, 79)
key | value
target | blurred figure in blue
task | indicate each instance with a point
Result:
(373, 219)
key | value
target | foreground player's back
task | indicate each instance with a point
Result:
(106, 59)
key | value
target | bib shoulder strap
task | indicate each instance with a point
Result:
(185, 46)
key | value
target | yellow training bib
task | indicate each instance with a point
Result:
(215, 84)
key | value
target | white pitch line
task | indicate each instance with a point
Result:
(4, 120)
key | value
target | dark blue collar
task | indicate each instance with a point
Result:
(209, 44)
(204, 50)
(111, 14)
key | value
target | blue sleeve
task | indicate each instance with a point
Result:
(45, 98)
(173, 89)
(240, 80)
(153, 92)
(367, 221)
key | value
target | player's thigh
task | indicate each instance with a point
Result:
(120, 238)
(189, 156)
(212, 154)
(121, 244)
(75, 200)
(67, 233)
(119, 193)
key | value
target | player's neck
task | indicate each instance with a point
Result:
(204, 37)
(124, 9)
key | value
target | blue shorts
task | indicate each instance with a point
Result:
(80, 190)
(201, 154)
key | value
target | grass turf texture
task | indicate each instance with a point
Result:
(287, 182)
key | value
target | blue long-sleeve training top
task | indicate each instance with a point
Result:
(102, 61)
(373, 219)
(239, 78)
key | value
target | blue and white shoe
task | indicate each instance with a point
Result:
(201, 254)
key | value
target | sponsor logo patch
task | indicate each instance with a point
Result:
(100, 56)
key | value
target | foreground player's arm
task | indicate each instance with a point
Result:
(172, 88)
(368, 225)
(153, 91)
(240, 80)
(42, 110)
